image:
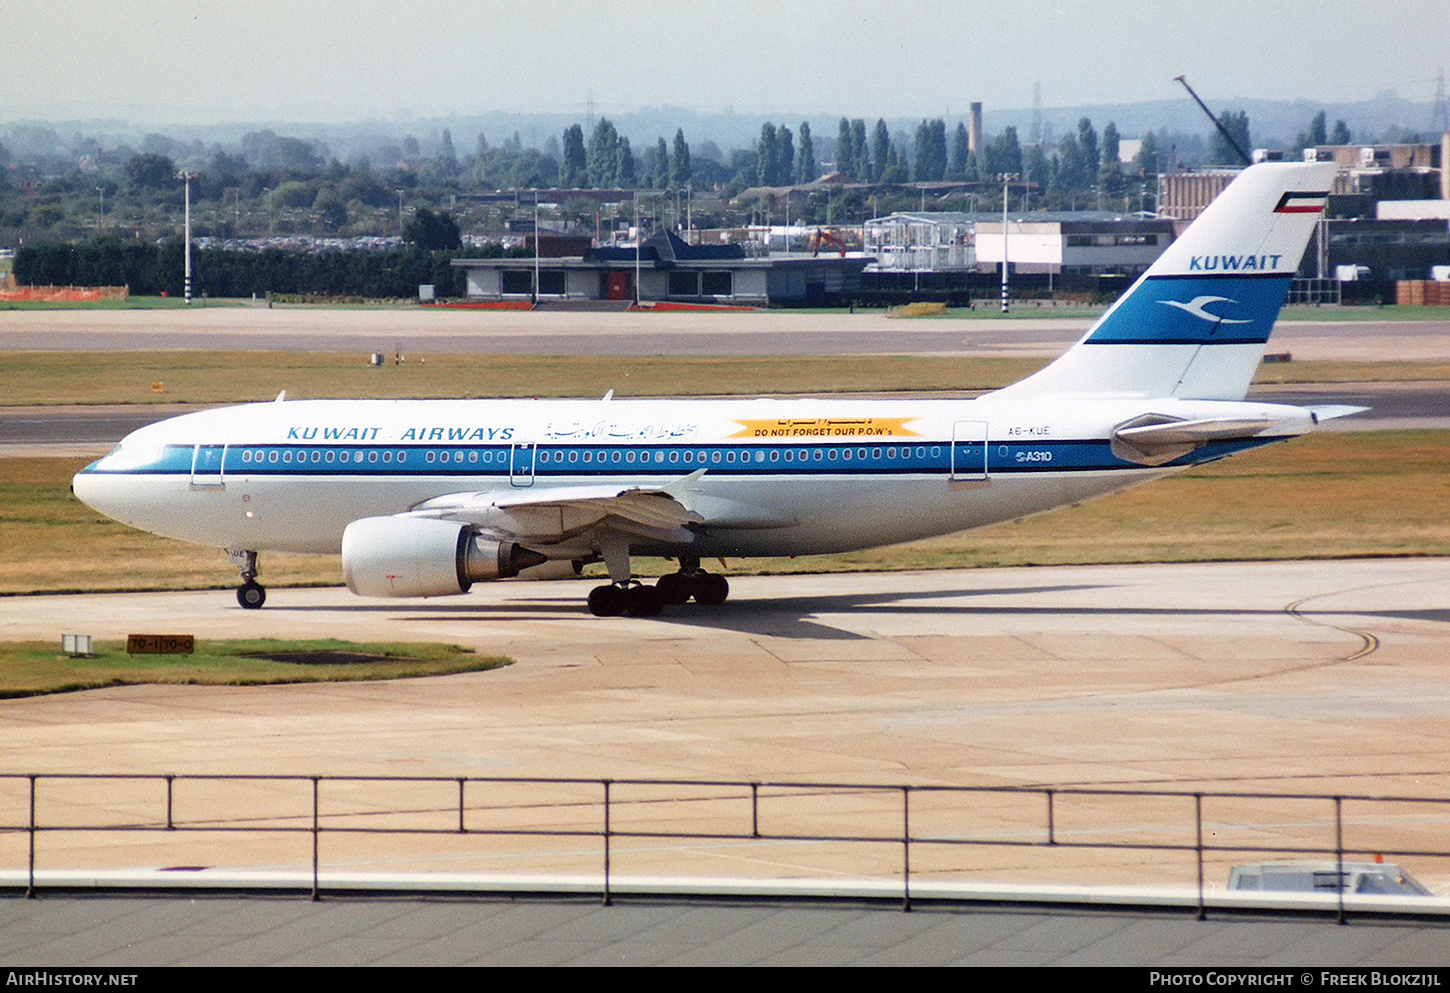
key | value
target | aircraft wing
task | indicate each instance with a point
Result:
(556, 513)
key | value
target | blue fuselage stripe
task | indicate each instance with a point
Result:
(546, 460)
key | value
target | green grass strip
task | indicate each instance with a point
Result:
(30, 668)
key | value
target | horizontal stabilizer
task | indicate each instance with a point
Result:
(1329, 411)
(1157, 440)
(1178, 432)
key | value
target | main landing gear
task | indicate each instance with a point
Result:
(638, 600)
(251, 594)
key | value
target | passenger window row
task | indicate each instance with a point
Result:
(744, 455)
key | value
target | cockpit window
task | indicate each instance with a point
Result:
(130, 455)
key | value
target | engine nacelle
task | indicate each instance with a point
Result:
(420, 556)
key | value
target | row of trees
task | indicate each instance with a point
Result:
(1318, 133)
(153, 270)
(777, 163)
(1078, 163)
(272, 184)
(608, 162)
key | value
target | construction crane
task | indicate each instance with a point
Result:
(826, 237)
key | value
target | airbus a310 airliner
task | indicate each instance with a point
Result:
(424, 498)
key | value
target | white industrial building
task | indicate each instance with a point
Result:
(1089, 242)
(1076, 243)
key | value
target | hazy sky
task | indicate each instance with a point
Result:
(323, 60)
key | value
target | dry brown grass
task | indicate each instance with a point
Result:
(44, 378)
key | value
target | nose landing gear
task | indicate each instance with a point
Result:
(251, 594)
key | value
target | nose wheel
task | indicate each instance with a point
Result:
(251, 594)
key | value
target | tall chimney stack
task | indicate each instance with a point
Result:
(974, 129)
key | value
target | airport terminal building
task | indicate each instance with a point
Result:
(665, 268)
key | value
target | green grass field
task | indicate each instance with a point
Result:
(29, 668)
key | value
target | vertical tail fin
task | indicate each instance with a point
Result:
(1194, 325)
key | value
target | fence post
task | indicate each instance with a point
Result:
(30, 877)
(1339, 854)
(906, 849)
(1198, 849)
(316, 891)
(170, 824)
(607, 899)
(1051, 818)
(461, 829)
(755, 810)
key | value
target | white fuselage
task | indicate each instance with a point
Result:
(781, 477)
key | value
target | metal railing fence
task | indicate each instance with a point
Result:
(958, 818)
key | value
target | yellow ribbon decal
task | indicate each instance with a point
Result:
(827, 427)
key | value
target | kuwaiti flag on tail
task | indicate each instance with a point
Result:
(1194, 325)
(1302, 203)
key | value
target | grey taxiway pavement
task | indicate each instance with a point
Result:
(429, 330)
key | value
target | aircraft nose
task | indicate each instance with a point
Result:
(104, 493)
(82, 486)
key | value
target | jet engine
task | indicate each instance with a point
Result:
(420, 556)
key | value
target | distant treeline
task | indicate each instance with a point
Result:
(152, 270)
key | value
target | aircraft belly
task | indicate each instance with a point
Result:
(841, 516)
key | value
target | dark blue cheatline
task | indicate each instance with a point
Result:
(664, 461)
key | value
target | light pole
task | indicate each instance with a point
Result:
(1007, 178)
(187, 177)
